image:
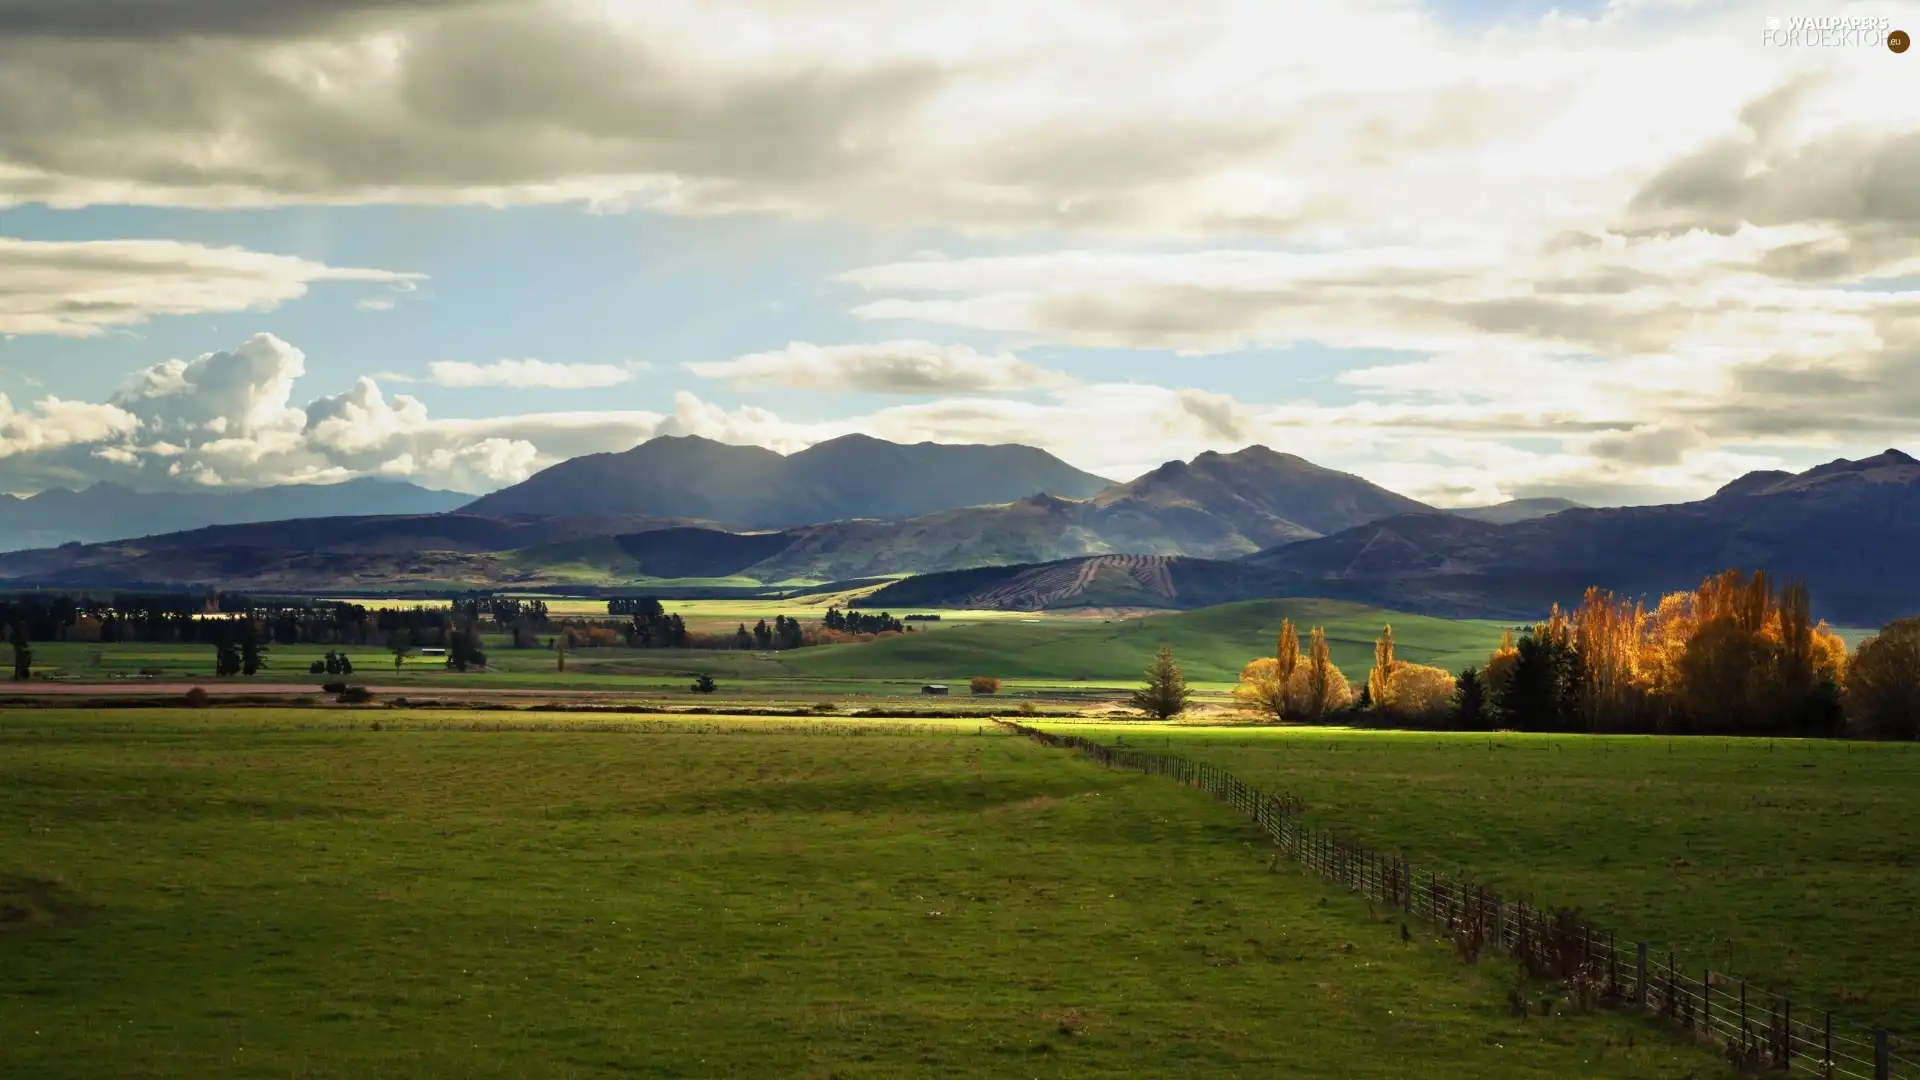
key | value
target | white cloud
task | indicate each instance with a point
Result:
(528, 374)
(887, 367)
(228, 418)
(83, 289)
(52, 424)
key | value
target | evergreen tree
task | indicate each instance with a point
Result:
(762, 636)
(1470, 701)
(1165, 695)
(22, 655)
(400, 644)
(704, 684)
(742, 639)
(346, 665)
(331, 665)
(226, 659)
(252, 652)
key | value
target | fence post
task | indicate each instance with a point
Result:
(1880, 1057)
(1406, 887)
(1640, 974)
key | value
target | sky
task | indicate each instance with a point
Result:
(1617, 251)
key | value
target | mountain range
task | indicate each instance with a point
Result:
(1254, 523)
(853, 476)
(107, 511)
(1848, 528)
(1217, 506)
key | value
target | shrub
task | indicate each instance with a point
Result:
(984, 684)
(704, 684)
(1028, 708)
(825, 707)
(318, 667)
(196, 698)
(355, 695)
(334, 687)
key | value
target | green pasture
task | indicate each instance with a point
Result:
(1791, 862)
(294, 893)
(1211, 644)
(1030, 653)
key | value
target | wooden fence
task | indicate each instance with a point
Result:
(1758, 1029)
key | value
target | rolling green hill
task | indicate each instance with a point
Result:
(1211, 644)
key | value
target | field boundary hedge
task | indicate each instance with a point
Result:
(1758, 1029)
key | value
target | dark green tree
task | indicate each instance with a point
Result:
(762, 636)
(1165, 695)
(742, 639)
(253, 652)
(1470, 701)
(1543, 692)
(704, 684)
(22, 655)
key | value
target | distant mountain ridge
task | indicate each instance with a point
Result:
(854, 476)
(1850, 528)
(1218, 505)
(1506, 513)
(108, 511)
(1223, 527)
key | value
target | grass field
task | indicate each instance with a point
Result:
(1211, 644)
(1790, 862)
(218, 893)
(1032, 653)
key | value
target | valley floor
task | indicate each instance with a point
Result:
(261, 893)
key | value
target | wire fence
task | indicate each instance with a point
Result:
(1758, 1029)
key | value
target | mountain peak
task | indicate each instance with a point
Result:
(1888, 466)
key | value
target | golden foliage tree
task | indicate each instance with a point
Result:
(1326, 685)
(1419, 694)
(1286, 654)
(1499, 670)
(1262, 691)
(1607, 632)
(1380, 679)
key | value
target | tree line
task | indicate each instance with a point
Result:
(1740, 655)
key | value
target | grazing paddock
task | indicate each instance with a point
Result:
(1791, 862)
(238, 893)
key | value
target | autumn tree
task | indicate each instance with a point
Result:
(1418, 695)
(1607, 633)
(1327, 687)
(1499, 668)
(1380, 679)
(1286, 655)
(1165, 695)
(1261, 691)
(1883, 683)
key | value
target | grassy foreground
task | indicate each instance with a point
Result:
(1791, 862)
(269, 894)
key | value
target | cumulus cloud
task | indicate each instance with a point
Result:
(230, 418)
(887, 367)
(528, 374)
(83, 289)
